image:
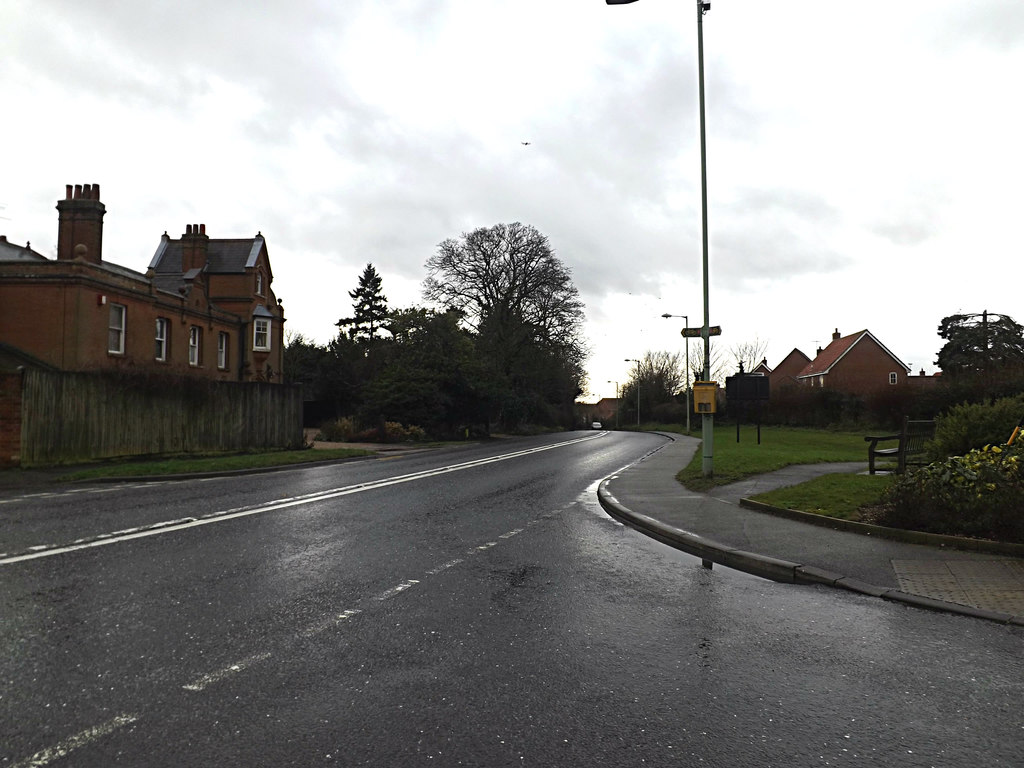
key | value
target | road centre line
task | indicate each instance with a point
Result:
(216, 517)
(47, 756)
(70, 744)
(214, 677)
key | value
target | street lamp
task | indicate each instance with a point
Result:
(687, 319)
(708, 419)
(633, 360)
(616, 402)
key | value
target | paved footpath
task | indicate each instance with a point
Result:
(718, 529)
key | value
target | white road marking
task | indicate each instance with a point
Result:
(233, 669)
(70, 744)
(217, 517)
(445, 566)
(388, 594)
(47, 756)
(328, 623)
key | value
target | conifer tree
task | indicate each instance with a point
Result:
(369, 305)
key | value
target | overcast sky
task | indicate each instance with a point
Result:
(865, 162)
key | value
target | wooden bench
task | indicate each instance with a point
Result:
(909, 450)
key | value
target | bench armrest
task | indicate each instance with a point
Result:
(879, 438)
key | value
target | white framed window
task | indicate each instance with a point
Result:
(222, 350)
(261, 334)
(893, 378)
(116, 329)
(195, 341)
(259, 283)
(163, 330)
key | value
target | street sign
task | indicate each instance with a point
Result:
(697, 333)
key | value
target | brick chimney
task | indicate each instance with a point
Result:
(835, 335)
(193, 247)
(80, 228)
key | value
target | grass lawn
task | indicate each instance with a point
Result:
(189, 464)
(840, 496)
(780, 447)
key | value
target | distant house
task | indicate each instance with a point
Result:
(856, 364)
(761, 369)
(205, 307)
(603, 410)
(784, 374)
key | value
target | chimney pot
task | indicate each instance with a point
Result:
(80, 226)
(202, 229)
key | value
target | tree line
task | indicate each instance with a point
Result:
(499, 347)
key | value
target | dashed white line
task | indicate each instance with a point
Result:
(62, 749)
(70, 744)
(445, 566)
(50, 550)
(388, 594)
(233, 669)
(328, 623)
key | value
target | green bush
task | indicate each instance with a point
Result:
(337, 431)
(969, 426)
(979, 495)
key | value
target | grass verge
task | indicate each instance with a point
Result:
(779, 447)
(841, 496)
(193, 464)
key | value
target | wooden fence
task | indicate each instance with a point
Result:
(69, 417)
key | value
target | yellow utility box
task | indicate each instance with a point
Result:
(704, 396)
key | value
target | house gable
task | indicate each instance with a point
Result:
(857, 363)
(191, 313)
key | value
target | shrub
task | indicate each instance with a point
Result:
(979, 494)
(973, 425)
(415, 433)
(337, 431)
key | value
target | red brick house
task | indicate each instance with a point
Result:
(857, 364)
(785, 373)
(204, 307)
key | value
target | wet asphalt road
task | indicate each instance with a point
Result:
(446, 608)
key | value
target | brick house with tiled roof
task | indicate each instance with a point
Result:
(785, 373)
(204, 308)
(856, 364)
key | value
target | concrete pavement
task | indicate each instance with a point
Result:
(719, 527)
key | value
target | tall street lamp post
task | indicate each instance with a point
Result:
(632, 360)
(686, 318)
(616, 402)
(708, 419)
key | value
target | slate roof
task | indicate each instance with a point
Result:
(12, 252)
(12, 358)
(223, 257)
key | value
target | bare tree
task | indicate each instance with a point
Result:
(749, 354)
(505, 271)
(718, 365)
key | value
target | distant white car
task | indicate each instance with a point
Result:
(595, 425)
